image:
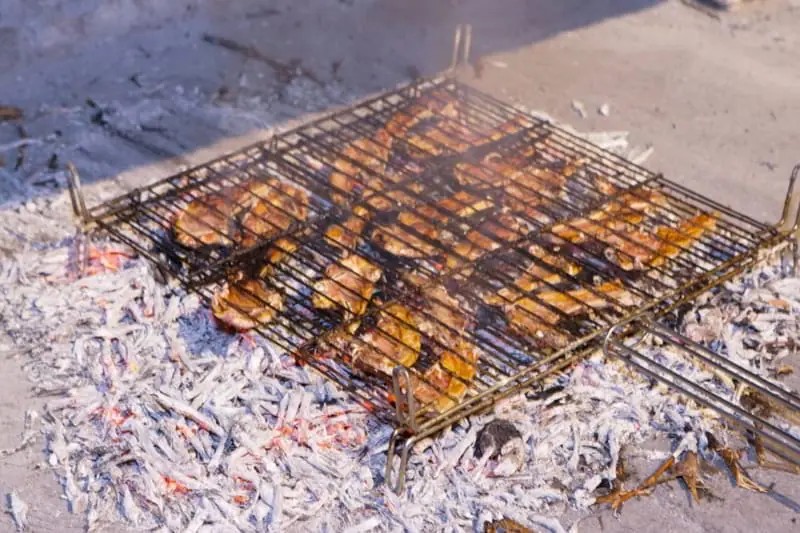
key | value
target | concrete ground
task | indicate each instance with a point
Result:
(719, 98)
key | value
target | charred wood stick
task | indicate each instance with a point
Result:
(285, 71)
(10, 113)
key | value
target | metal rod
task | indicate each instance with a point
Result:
(467, 43)
(456, 48)
(76, 195)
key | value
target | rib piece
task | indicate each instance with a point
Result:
(463, 204)
(245, 304)
(617, 216)
(637, 249)
(394, 341)
(348, 284)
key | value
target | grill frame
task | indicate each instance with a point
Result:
(279, 152)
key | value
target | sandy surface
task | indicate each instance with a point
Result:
(717, 98)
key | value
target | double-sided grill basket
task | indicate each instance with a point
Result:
(433, 250)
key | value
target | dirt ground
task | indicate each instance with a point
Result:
(718, 98)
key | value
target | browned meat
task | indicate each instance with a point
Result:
(535, 276)
(394, 341)
(397, 240)
(362, 164)
(208, 220)
(277, 252)
(463, 204)
(277, 207)
(347, 235)
(347, 285)
(439, 391)
(579, 300)
(485, 238)
(245, 304)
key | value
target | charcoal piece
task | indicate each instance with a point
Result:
(496, 434)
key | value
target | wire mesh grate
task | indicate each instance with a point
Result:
(432, 249)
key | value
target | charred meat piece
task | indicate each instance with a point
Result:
(508, 127)
(492, 172)
(438, 390)
(245, 304)
(614, 217)
(277, 252)
(530, 318)
(675, 241)
(535, 276)
(398, 240)
(209, 220)
(463, 204)
(361, 163)
(487, 237)
(394, 198)
(347, 235)
(348, 285)
(578, 300)
(638, 249)
(277, 206)
(445, 322)
(394, 341)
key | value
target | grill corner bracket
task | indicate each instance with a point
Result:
(76, 196)
(462, 45)
(793, 232)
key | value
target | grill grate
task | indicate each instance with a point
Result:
(432, 249)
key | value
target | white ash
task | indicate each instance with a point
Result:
(18, 510)
(157, 419)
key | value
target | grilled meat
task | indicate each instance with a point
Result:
(394, 341)
(537, 317)
(530, 318)
(361, 165)
(398, 240)
(277, 252)
(439, 390)
(245, 304)
(347, 235)
(348, 285)
(463, 204)
(675, 241)
(578, 300)
(535, 276)
(615, 217)
(487, 237)
(393, 198)
(277, 206)
(209, 220)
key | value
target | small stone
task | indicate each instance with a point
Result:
(604, 110)
(579, 108)
(494, 436)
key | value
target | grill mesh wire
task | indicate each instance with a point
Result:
(521, 231)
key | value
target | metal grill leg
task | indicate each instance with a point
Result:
(76, 195)
(408, 444)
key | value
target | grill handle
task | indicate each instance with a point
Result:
(775, 439)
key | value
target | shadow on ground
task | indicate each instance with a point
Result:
(67, 66)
